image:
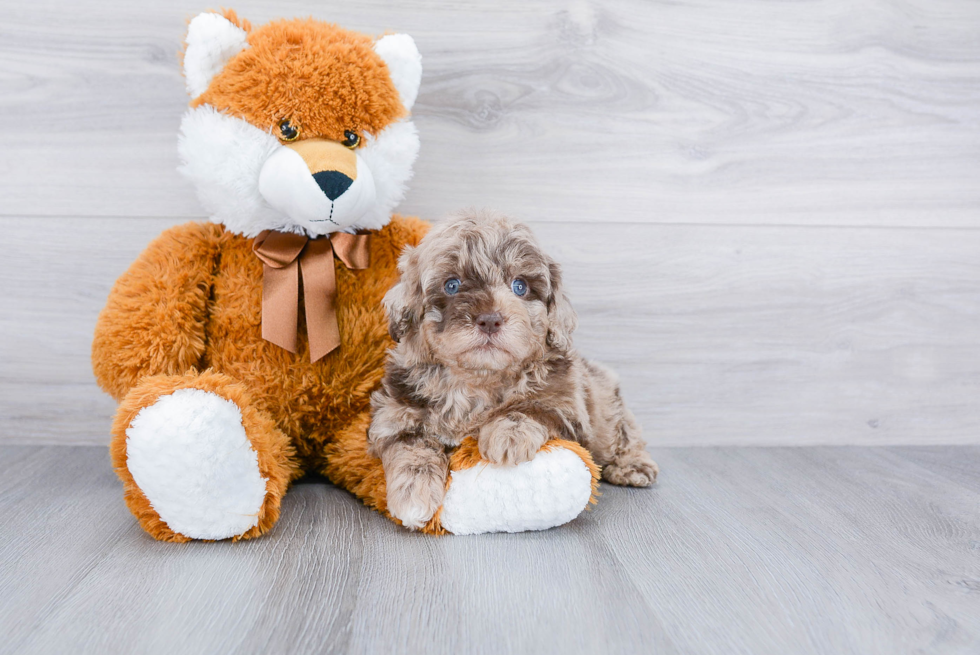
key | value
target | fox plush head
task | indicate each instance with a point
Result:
(297, 125)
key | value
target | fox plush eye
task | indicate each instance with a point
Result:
(451, 286)
(288, 131)
(350, 139)
(519, 287)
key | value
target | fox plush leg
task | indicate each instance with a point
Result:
(198, 460)
(550, 490)
(349, 465)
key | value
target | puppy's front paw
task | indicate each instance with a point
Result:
(632, 469)
(415, 502)
(511, 439)
(415, 494)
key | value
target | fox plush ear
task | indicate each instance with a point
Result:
(404, 63)
(211, 41)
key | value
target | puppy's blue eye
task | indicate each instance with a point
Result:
(451, 286)
(519, 286)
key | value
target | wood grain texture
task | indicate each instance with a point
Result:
(768, 213)
(831, 112)
(721, 335)
(737, 550)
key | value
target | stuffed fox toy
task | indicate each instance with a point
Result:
(243, 351)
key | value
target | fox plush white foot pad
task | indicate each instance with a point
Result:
(189, 454)
(548, 491)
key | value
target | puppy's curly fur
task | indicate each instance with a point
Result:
(484, 361)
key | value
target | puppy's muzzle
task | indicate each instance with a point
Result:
(489, 323)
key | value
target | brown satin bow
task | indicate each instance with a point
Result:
(286, 256)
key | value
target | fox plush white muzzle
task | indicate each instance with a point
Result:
(250, 181)
(318, 181)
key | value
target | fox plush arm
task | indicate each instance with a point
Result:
(154, 319)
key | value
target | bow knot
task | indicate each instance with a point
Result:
(285, 258)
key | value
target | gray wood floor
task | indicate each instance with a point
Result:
(738, 550)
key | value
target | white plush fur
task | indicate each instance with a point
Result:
(224, 158)
(404, 65)
(548, 491)
(189, 455)
(286, 184)
(211, 41)
(390, 156)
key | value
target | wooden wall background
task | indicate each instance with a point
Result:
(769, 211)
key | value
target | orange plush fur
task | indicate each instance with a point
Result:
(187, 314)
(354, 94)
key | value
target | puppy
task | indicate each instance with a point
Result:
(484, 334)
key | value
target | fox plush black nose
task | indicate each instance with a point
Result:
(332, 183)
(489, 323)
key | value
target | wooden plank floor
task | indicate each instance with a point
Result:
(738, 550)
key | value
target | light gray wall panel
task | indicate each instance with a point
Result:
(830, 112)
(722, 335)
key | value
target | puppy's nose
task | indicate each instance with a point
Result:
(489, 323)
(332, 183)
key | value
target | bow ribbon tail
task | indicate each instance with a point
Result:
(278, 252)
(319, 292)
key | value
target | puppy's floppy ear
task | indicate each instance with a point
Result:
(561, 317)
(404, 302)
(400, 319)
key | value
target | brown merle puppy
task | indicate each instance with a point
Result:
(484, 349)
